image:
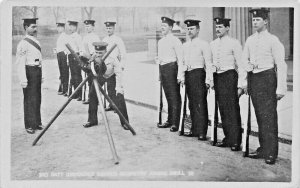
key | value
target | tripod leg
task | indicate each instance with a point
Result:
(59, 111)
(105, 90)
(109, 136)
(113, 105)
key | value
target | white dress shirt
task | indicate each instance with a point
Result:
(88, 40)
(120, 51)
(263, 51)
(113, 66)
(27, 54)
(61, 43)
(170, 50)
(75, 42)
(197, 54)
(227, 55)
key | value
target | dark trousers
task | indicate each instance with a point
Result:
(263, 87)
(111, 88)
(172, 91)
(228, 101)
(32, 97)
(76, 78)
(197, 93)
(93, 104)
(63, 71)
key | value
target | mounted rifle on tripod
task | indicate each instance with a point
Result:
(95, 68)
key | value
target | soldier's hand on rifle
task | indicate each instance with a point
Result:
(279, 96)
(24, 84)
(207, 86)
(156, 60)
(240, 92)
(180, 81)
(120, 92)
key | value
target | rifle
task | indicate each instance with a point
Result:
(214, 120)
(98, 91)
(247, 122)
(105, 90)
(160, 100)
(69, 80)
(183, 110)
(214, 123)
(83, 93)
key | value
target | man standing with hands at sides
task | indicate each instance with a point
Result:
(29, 61)
(170, 60)
(229, 81)
(75, 42)
(198, 78)
(263, 58)
(119, 52)
(89, 49)
(61, 52)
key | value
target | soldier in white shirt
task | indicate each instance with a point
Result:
(263, 58)
(228, 77)
(75, 42)
(197, 60)
(89, 49)
(119, 52)
(29, 61)
(110, 67)
(61, 52)
(170, 60)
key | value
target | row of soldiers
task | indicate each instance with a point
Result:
(258, 69)
(70, 73)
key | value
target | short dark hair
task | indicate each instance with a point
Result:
(92, 24)
(226, 24)
(26, 24)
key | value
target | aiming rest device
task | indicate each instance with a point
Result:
(92, 68)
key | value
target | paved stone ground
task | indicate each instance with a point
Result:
(68, 151)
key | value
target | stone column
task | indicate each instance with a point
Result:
(280, 27)
(240, 25)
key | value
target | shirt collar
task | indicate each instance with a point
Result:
(75, 33)
(262, 32)
(195, 39)
(31, 37)
(223, 38)
(109, 36)
(169, 35)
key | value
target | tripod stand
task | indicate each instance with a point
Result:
(98, 91)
